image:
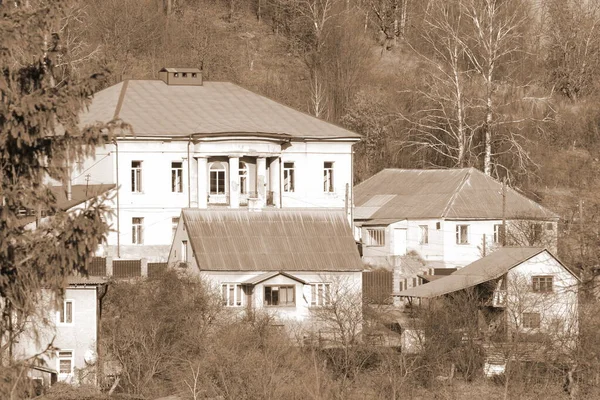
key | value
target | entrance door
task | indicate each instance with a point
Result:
(399, 241)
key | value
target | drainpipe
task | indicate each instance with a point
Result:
(280, 183)
(351, 200)
(118, 204)
(189, 174)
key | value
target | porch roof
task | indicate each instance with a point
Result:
(485, 269)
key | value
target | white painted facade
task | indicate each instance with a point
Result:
(74, 336)
(557, 308)
(253, 296)
(204, 162)
(445, 244)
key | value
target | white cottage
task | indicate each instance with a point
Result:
(447, 218)
(288, 263)
(197, 144)
(71, 329)
(528, 292)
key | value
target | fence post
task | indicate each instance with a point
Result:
(109, 266)
(144, 267)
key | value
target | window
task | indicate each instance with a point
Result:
(65, 314)
(328, 177)
(176, 74)
(438, 226)
(376, 237)
(136, 176)
(137, 230)
(65, 362)
(424, 234)
(320, 294)
(536, 233)
(194, 75)
(498, 232)
(243, 178)
(177, 177)
(288, 177)
(184, 75)
(549, 226)
(542, 284)
(232, 294)
(530, 320)
(280, 296)
(217, 178)
(174, 224)
(462, 234)
(184, 250)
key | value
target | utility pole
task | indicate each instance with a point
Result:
(504, 212)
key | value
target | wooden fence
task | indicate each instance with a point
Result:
(97, 267)
(127, 268)
(156, 269)
(377, 286)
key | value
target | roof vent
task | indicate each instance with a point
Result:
(181, 76)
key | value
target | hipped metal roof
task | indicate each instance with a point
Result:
(483, 270)
(272, 240)
(155, 109)
(467, 193)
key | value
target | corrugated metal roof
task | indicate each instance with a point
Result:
(89, 280)
(153, 108)
(443, 193)
(485, 269)
(272, 240)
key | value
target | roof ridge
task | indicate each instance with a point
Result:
(456, 192)
(121, 99)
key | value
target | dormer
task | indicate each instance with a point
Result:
(181, 76)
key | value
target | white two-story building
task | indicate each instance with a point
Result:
(447, 218)
(196, 144)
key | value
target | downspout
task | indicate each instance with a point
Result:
(118, 203)
(280, 183)
(189, 187)
(351, 200)
(100, 293)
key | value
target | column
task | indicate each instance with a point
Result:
(202, 182)
(261, 173)
(234, 182)
(275, 181)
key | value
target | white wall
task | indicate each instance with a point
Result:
(80, 336)
(157, 204)
(560, 305)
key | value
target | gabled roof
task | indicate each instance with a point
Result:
(268, 275)
(485, 269)
(272, 240)
(398, 194)
(153, 108)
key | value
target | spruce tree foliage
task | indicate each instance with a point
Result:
(40, 138)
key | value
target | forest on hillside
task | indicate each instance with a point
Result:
(509, 87)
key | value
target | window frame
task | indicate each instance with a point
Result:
(498, 233)
(137, 230)
(217, 171)
(243, 177)
(289, 177)
(184, 251)
(61, 314)
(541, 285)
(531, 320)
(238, 294)
(373, 241)
(423, 234)
(320, 294)
(70, 358)
(176, 177)
(137, 176)
(279, 287)
(460, 236)
(328, 177)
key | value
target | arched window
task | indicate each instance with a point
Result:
(217, 178)
(243, 178)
